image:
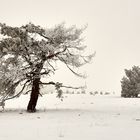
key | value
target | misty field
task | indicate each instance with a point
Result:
(78, 117)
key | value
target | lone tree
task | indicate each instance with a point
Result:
(30, 53)
(131, 83)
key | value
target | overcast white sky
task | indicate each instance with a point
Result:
(113, 32)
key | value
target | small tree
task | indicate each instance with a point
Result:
(30, 53)
(131, 83)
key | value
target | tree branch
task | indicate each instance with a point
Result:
(77, 74)
(56, 54)
(51, 40)
(19, 93)
(63, 86)
(27, 92)
(51, 65)
(45, 72)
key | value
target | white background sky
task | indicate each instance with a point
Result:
(113, 32)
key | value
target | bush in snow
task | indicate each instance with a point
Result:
(131, 82)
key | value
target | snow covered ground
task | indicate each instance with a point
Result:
(78, 117)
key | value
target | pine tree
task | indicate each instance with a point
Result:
(131, 83)
(30, 52)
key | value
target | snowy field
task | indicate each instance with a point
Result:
(78, 117)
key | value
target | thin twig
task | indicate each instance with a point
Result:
(19, 93)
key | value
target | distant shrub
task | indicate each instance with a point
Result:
(96, 92)
(107, 93)
(101, 93)
(91, 93)
(83, 92)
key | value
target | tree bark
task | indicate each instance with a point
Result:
(34, 96)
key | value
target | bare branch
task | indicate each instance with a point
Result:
(19, 93)
(51, 65)
(56, 54)
(77, 74)
(27, 92)
(50, 83)
(63, 86)
(50, 40)
(45, 72)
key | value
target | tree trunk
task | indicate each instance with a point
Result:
(34, 96)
